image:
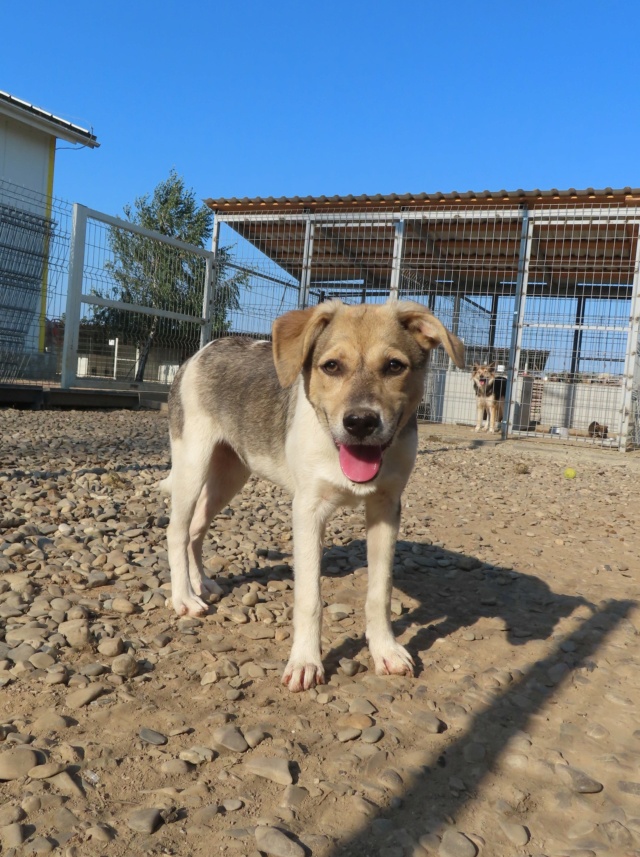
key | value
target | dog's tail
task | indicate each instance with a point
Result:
(164, 485)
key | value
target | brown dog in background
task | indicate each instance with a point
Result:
(597, 430)
(490, 390)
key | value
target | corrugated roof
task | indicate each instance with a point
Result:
(16, 108)
(395, 200)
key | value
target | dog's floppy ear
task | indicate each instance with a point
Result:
(429, 331)
(294, 334)
(476, 366)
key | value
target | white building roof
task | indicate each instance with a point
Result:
(29, 114)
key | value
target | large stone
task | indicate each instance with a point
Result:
(578, 781)
(150, 736)
(49, 769)
(274, 842)
(230, 738)
(124, 665)
(255, 631)
(455, 844)
(146, 820)
(10, 814)
(84, 695)
(12, 835)
(17, 763)
(40, 845)
(629, 787)
(66, 784)
(49, 721)
(271, 768)
(123, 605)
(111, 646)
(76, 632)
(517, 834)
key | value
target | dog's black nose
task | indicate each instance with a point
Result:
(361, 423)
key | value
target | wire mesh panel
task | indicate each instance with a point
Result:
(265, 287)
(465, 269)
(136, 303)
(577, 322)
(34, 256)
(350, 258)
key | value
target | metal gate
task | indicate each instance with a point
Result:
(138, 304)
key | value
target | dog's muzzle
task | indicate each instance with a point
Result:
(361, 423)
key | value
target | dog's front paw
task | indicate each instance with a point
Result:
(189, 605)
(393, 659)
(302, 676)
(477, 428)
(208, 588)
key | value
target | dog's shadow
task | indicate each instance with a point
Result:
(450, 591)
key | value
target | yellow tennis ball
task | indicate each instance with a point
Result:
(570, 473)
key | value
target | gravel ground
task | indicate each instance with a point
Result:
(127, 731)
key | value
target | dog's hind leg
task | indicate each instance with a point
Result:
(227, 474)
(383, 522)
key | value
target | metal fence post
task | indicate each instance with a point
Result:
(631, 355)
(74, 297)
(396, 264)
(307, 254)
(210, 284)
(522, 281)
(207, 300)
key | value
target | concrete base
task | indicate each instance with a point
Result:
(36, 397)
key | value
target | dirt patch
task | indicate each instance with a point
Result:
(515, 591)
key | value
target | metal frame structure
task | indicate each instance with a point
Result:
(548, 290)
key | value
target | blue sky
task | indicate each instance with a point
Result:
(294, 98)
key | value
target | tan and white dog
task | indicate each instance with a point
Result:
(327, 412)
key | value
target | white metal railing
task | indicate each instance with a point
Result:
(78, 295)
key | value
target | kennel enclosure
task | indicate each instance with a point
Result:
(543, 283)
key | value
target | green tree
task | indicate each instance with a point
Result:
(155, 275)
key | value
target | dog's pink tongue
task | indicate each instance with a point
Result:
(360, 463)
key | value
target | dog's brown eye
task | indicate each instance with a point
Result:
(331, 367)
(395, 367)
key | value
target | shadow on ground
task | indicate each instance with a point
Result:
(454, 591)
(430, 803)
